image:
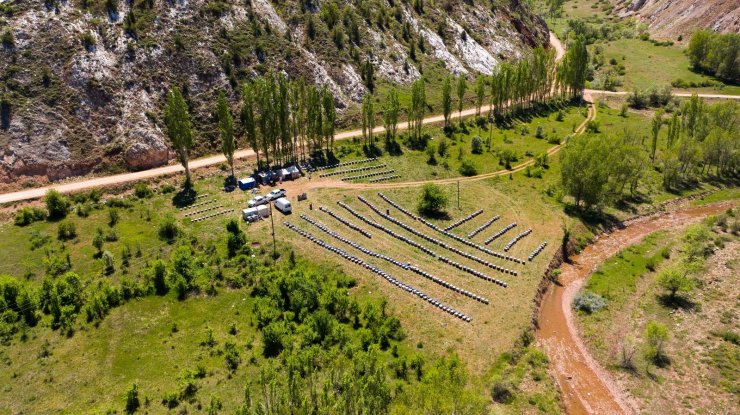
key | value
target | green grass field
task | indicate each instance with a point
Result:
(642, 60)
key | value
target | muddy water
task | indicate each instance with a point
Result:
(586, 387)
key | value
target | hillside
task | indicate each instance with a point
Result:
(83, 82)
(668, 19)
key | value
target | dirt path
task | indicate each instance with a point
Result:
(78, 185)
(586, 387)
(597, 92)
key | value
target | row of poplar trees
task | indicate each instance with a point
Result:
(520, 86)
(283, 121)
(290, 120)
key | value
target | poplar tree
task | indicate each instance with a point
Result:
(330, 116)
(368, 119)
(417, 110)
(656, 124)
(447, 99)
(480, 93)
(179, 128)
(226, 129)
(247, 119)
(390, 113)
(462, 86)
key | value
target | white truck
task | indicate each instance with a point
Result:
(282, 204)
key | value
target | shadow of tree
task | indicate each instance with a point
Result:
(676, 302)
(185, 197)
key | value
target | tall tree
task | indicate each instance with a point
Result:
(226, 129)
(248, 120)
(390, 113)
(462, 87)
(368, 119)
(656, 124)
(480, 93)
(179, 128)
(447, 99)
(417, 110)
(330, 116)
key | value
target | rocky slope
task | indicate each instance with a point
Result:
(667, 19)
(82, 82)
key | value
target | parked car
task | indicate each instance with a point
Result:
(258, 200)
(276, 194)
(283, 205)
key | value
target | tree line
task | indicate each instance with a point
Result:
(700, 140)
(717, 54)
(282, 121)
(289, 120)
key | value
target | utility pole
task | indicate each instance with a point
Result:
(272, 222)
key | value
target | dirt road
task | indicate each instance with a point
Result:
(596, 92)
(586, 387)
(79, 185)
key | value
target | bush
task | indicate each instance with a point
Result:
(539, 132)
(592, 127)
(467, 168)
(83, 210)
(476, 145)
(676, 282)
(433, 200)
(623, 111)
(142, 191)
(501, 392)
(28, 215)
(113, 217)
(589, 302)
(231, 357)
(273, 336)
(560, 116)
(168, 188)
(108, 263)
(66, 231)
(132, 399)
(168, 229)
(56, 204)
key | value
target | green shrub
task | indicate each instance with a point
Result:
(467, 168)
(66, 231)
(56, 204)
(593, 127)
(28, 215)
(83, 210)
(476, 145)
(168, 188)
(113, 217)
(132, 399)
(142, 191)
(433, 200)
(8, 40)
(168, 229)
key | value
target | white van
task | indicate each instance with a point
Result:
(283, 205)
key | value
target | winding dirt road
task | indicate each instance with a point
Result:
(586, 387)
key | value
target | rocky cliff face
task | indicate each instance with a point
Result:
(667, 19)
(82, 82)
